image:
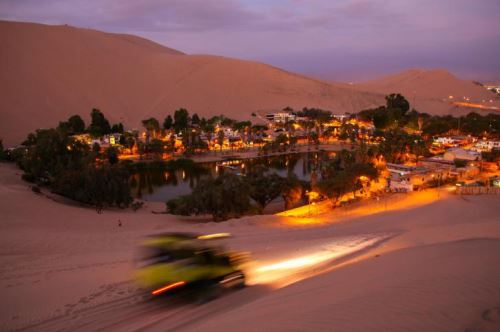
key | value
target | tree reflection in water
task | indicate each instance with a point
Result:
(160, 181)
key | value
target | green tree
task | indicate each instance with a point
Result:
(168, 122)
(181, 118)
(195, 119)
(96, 148)
(220, 138)
(224, 197)
(291, 191)
(152, 126)
(100, 187)
(112, 155)
(281, 142)
(336, 186)
(156, 148)
(397, 101)
(264, 187)
(437, 126)
(51, 153)
(117, 128)
(128, 140)
(99, 125)
(345, 180)
(398, 145)
(76, 124)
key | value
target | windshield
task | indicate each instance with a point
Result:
(154, 255)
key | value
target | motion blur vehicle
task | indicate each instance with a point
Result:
(189, 263)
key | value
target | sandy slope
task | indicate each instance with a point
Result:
(446, 287)
(66, 267)
(429, 90)
(51, 72)
(48, 73)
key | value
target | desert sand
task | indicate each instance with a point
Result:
(430, 265)
(434, 91)
(49, 73)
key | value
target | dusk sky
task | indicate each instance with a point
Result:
(335, 39)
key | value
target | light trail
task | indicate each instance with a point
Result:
(473, 105)
(279, 273)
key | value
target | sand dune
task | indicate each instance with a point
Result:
(51, 72)
(66, 267)
(445, 287)
(430, 90)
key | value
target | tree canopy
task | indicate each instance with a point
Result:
(168, 122)
(99, 125)
(264, 187)
(223, 197)
(181, 120)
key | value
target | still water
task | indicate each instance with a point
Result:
(159, 185)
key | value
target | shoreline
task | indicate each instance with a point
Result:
(215, 156)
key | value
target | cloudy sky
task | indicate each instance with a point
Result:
(348, 40)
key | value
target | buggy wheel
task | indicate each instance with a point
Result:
(234, 280)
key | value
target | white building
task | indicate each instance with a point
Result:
(281, 117)
(452, 140)
(407, 178)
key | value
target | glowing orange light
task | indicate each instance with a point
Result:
(214, 236)
(312, 195)
(168, 287)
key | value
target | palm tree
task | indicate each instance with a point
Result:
(152, 126)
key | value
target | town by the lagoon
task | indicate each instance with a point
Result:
(277, 160)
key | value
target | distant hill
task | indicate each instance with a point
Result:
(432, 91)
(51, 72)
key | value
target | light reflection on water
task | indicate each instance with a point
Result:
(160, 185)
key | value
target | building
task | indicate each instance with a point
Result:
(453, 140)
(487, 145)
(104, 141)
(408, 178)
(341, 117)
(461, 154)
(281, 117)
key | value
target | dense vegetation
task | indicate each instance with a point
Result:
(191, 129)
(396, 115)
(348, 172)
(71, 168)
(95, 176)
(230, 195)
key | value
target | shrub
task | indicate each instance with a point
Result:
(97, 186)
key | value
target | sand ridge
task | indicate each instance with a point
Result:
(49, 73)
